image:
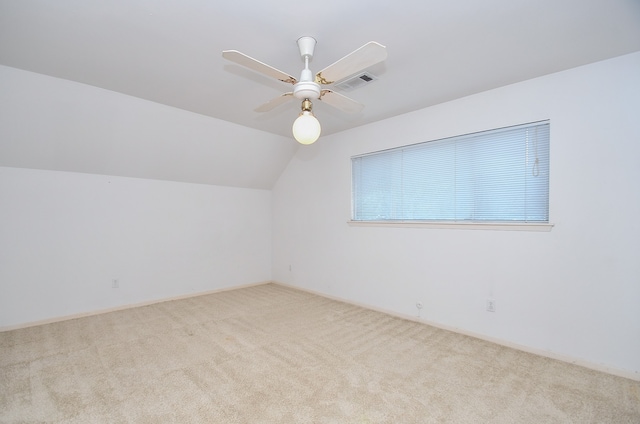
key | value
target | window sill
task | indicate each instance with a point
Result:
(496, 226)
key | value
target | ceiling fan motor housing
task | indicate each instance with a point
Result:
(306, 90)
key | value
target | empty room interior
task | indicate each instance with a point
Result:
(173, 248)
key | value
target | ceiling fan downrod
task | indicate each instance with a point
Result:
(306, 87)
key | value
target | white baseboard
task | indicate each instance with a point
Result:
(122, 307)
(540, 352)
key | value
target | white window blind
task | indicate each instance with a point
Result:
(493, 176)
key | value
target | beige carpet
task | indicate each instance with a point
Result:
(271, 354)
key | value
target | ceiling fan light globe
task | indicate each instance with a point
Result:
(306, 128)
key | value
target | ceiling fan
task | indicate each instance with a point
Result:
(306, 128)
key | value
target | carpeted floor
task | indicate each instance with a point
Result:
(272, 354)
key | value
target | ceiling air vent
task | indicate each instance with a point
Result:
(356, 81)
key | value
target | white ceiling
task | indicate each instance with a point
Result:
(170, 51)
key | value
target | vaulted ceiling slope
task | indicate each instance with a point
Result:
(169, 53)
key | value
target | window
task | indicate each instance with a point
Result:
(497, 176)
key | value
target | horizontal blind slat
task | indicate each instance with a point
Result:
(499, 175)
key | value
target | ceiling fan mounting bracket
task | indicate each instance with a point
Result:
(307, 46)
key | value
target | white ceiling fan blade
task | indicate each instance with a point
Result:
(341, 102)
(256, 65)
(356, 61)
(273, 103)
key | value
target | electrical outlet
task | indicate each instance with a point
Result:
(491, 305)
(115, 283)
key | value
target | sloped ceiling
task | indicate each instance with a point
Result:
(169, 52)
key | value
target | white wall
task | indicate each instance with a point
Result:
(64, 237)
(573, 292)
